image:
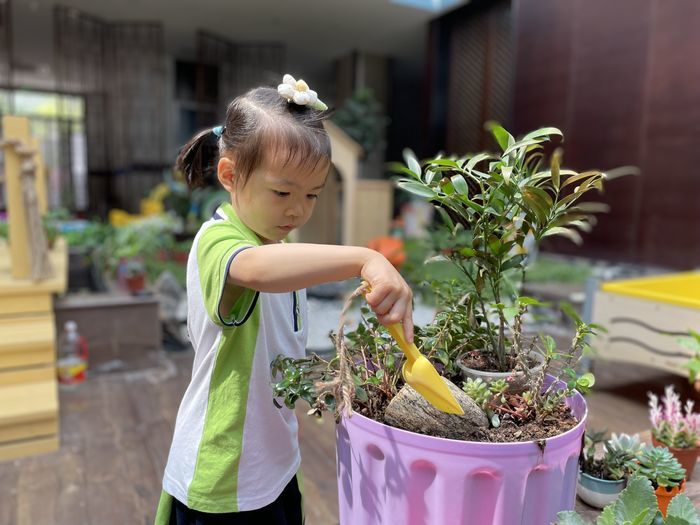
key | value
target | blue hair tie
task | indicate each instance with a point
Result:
(218, 131)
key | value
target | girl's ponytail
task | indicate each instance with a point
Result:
(198, 158)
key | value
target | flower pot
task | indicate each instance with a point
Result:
(388, 476)
(598, 492)
(685, 456)
(664, 496)
(136, 283)
(517, 381)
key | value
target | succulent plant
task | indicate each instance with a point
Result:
(658, 465)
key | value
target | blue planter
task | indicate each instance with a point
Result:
(598, 492)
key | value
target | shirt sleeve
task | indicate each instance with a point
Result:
(217, 249)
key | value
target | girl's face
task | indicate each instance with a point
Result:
(274, 201)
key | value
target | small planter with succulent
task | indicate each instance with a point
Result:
(638, 505)
(666, 474)
(604, 476)
(513, 456)
(675, 427)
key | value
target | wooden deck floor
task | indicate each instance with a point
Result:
(116, 430)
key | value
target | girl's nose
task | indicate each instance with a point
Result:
(294, 211)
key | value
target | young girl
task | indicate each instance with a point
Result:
(234, 458)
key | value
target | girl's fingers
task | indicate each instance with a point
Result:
(386, 305)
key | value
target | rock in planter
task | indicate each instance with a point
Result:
(410, 411)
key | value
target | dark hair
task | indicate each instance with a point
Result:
(259, 125)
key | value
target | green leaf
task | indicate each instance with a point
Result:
(460, 184)
(573, 235)
(621, 172)
(569, 517)
(503, 138)
(361, 395)
(397, 167)
(638, 499)
(446, 218)
(591, 207)
(556, 159)
(412, 162)
(543, 132)
(524, 143)
(476, 159)
(524, 300)
(416, 188)
(607, 517)
(672, 520)
(570, 311)
(681, 507)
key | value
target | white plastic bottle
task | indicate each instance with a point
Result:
(72, 355)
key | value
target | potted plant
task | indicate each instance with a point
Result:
(692, 343)
(666, 474)
(675, 427)
(637, 505)
(603, 477)
(135, 275)
(514, 457)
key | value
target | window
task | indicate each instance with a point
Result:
(58, 121)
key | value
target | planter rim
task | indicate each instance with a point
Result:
(672, 449)
(448, 445)
(601, 480)
(538, 357)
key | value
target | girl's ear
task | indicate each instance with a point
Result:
(225, 171)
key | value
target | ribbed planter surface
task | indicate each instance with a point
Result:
(388, 476)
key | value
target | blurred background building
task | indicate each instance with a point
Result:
(113, 89)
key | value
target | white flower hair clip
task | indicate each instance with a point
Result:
(298, 91)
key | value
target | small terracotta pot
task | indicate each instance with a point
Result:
(685, 456)
(136, 283)
(664, 496)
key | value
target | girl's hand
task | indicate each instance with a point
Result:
(391, 297)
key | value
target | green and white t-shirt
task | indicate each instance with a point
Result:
(233, 449)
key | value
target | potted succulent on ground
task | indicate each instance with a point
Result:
(603, 477)
(666, 474)
(675, 427)
(513, 456)
(692, 343)
(637, 505)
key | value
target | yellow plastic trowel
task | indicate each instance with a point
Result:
(421, 375)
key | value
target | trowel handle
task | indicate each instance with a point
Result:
(396, 331)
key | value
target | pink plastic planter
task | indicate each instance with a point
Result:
(388, 476)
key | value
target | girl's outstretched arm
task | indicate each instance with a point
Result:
(280, 268)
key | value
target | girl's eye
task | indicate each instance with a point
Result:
(281, 193)
(312, 196)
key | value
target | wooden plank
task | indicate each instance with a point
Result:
(26, 341)
(24, 304)
(12, 289)
(16, 128)
(25, 403)
(29, 430)
(28, 448)
(28, 374)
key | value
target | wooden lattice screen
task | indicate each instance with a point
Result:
(480, 76)
(241, 66)
(120, 69)
(5, 43)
